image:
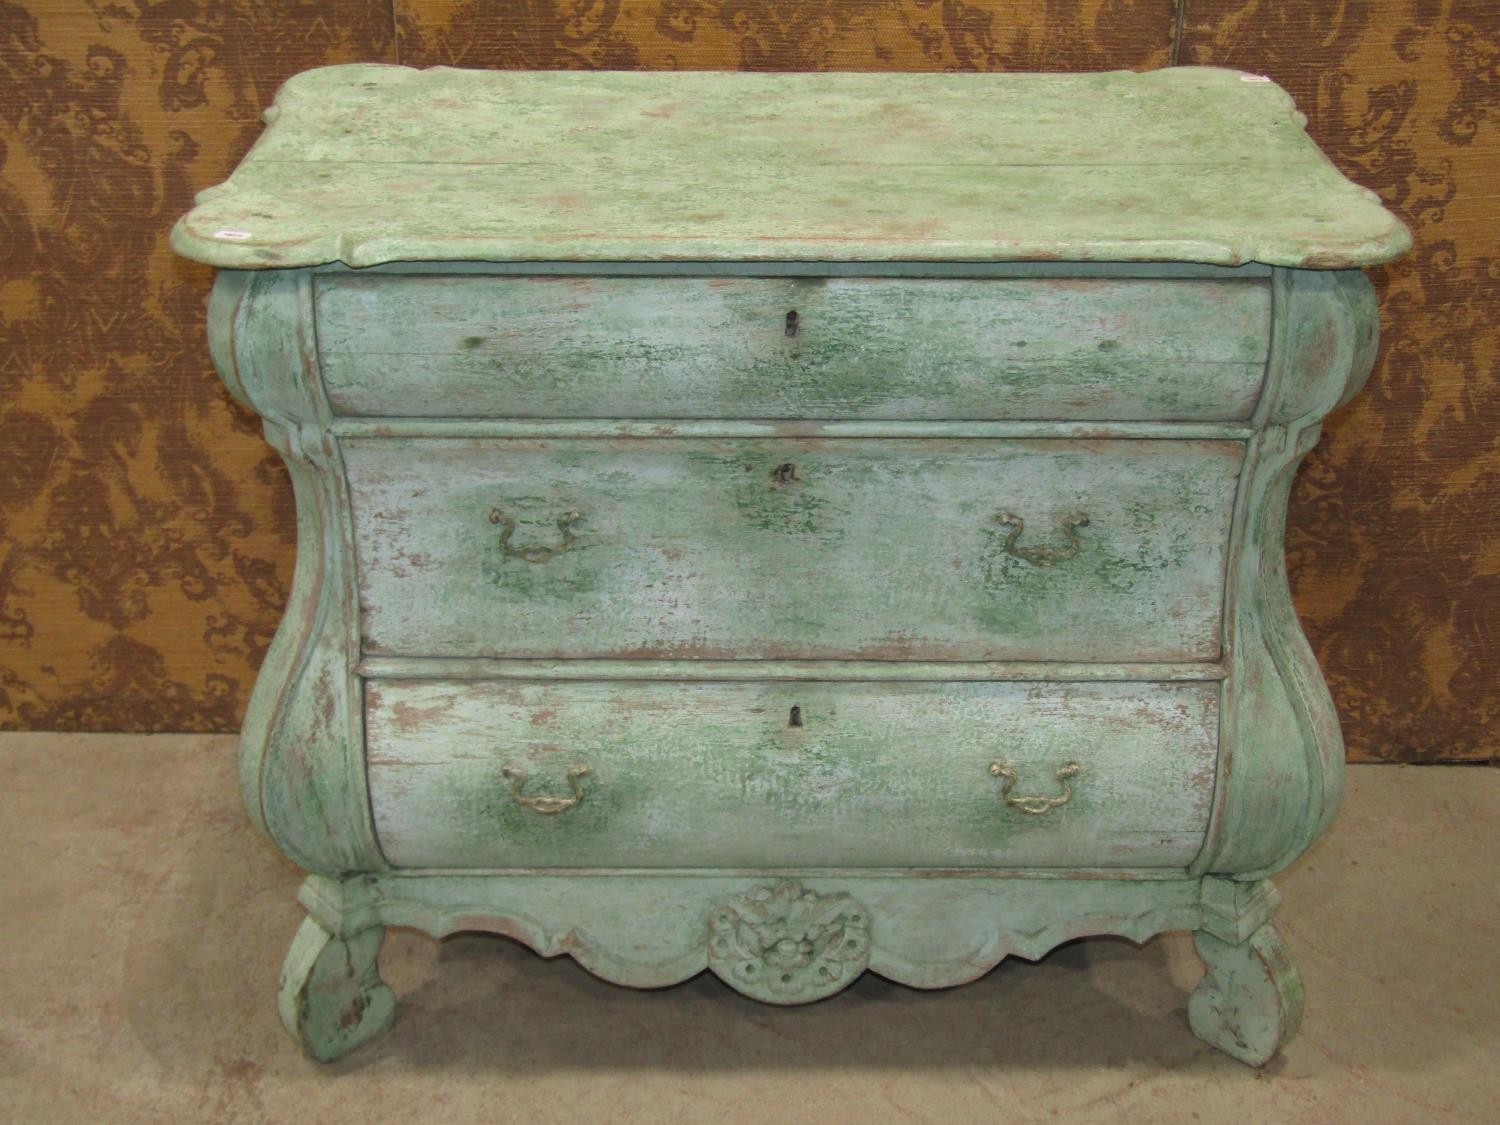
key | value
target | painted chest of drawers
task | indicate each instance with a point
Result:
(790, 525)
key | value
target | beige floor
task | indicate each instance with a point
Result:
(142, 926)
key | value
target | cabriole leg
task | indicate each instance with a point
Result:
(332, 998)
(1249, 1003)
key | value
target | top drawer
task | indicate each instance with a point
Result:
(1043, 348)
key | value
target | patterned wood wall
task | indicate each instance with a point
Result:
(146, 532)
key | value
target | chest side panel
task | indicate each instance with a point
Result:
(795, 549)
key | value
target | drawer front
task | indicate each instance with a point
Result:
(860, 348)
(489, 774)
(795, 549)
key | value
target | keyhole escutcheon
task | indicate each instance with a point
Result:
(792, 320)
(795, 718)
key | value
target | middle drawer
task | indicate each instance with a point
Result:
(792, 549)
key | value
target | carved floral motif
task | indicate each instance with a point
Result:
(784, 944)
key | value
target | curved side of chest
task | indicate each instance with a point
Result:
(1281, 753)
(302, 775)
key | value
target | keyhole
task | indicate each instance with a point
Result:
(791, 323)
(784, 472)
(795, 718)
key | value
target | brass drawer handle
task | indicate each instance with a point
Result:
(547, 806)
(1042, 556)
(507, 525)
(1035, 805)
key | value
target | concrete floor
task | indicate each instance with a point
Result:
(142, 926)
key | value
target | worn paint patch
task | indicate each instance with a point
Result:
(793, 549)
(1159, 349)
(714, 774)
(821, 171)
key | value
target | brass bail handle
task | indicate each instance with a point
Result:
(1043, 555)
(507, 526)
(547, 806)
(1035, 805)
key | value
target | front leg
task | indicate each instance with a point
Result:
(332, 999)
(1249, 1003)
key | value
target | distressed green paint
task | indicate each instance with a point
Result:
(1282, 743)
(302, 743)
(576, 300)
(1250, 1001)
(874, 550)
(367, 164)
(663, 428)
(665, 760)
(714, 267)
(410, 668)
(648, 932)
(332, 998)
(630, 347)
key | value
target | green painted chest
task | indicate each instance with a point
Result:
(790, 525)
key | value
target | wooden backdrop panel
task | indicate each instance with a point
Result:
(146, 531)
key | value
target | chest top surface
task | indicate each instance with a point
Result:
(367, 164)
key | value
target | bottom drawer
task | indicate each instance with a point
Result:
(790, 774)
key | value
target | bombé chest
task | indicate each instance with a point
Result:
(724, 498)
